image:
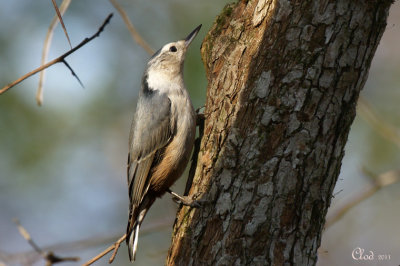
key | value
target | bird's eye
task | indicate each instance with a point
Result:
(173, 49)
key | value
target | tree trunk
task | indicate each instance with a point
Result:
(283, 82)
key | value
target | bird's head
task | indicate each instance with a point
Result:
(169, 59)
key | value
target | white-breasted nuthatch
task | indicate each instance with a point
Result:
(162, 134)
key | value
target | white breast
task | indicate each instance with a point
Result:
(183, 117)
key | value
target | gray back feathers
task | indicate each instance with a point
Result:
(146, 138)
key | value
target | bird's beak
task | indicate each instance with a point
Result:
(191, 36)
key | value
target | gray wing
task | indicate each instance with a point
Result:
(151, 130)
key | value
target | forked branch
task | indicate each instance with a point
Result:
(59, 59)
(49, 256)
(114, 247)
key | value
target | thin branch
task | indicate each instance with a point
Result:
(135, 34)
(114, 247)
(78, 245)
(59, 59)
(73, 72)
(46, 47)
(53, 259)
(61, 21)
(24, 233)
(378, 182)
(117, 244)
(49, 257)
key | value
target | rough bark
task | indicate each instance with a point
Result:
(283, 82)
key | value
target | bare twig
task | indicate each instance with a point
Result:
(73, 72)
(46, 47)
(24, 233)
(114, 247)
(117, 244)
(49, 257)
(59, 59)
(378, 182)
(79, 245)
(147, 228)
(135, 34)
(61, 21)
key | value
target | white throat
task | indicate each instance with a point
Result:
(164, 81)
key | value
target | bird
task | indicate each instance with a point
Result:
(162, 135)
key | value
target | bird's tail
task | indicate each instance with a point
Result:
(135, 220)
(133, 241)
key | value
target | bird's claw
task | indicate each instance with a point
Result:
(187, 201)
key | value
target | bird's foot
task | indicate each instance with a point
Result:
(186, 200)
